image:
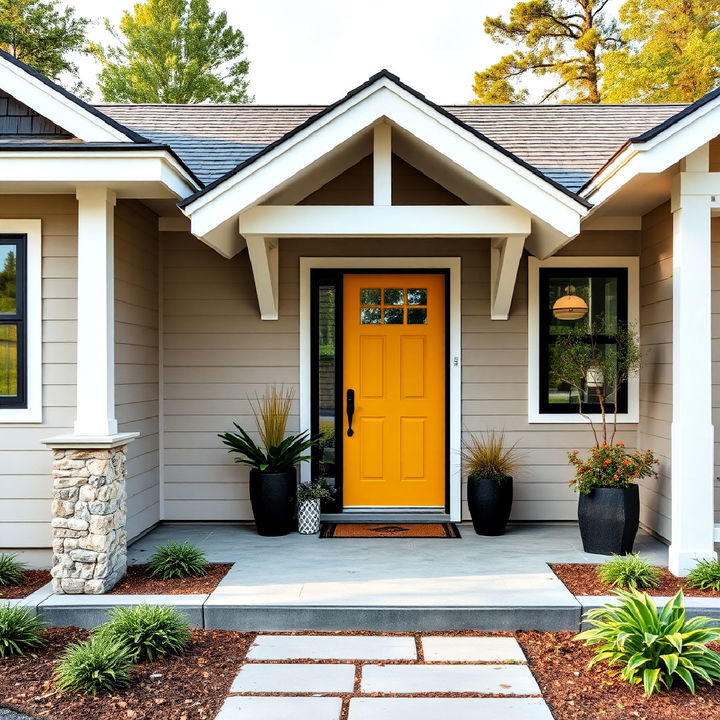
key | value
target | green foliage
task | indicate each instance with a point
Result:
(41, 35)
(93, 667)
(148, 631)
(177, 560)
(705, 575)
(19, 630)
(669, 54)
(629, 572)
(561, 41)
(484, 455)
(656, 648)
(173, 51)
(291, 451)
(11, 571)
(610, 466)
(315, 491)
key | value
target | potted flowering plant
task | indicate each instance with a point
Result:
(309, 497)
(609, 503)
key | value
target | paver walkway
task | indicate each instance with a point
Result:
(384, 677)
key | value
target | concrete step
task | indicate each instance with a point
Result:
(454, 708)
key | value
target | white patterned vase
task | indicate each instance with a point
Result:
(309, 517)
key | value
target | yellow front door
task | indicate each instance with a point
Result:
(394, 369)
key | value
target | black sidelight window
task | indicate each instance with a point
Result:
(13, 321)
(586, 297)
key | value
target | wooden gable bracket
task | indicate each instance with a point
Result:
(505, 255)
(264, 254)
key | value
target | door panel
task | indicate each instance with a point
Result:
(394, 360)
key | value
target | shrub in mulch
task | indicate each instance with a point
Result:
(573, 692)
(31, 581)
(191, 686)
(582, 579)
(139, 581)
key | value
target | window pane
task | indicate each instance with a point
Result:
(370, 296)
(562, 393)
(417, 316)
(326, 382)
(417, 296)
(369, 316)
(393, 296)
(8, 279)
(393, 316)
(8, 360)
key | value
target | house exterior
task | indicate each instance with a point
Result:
(169, 262)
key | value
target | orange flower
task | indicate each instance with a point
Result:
(620, 444)
(607, 461)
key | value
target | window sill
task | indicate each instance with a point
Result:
(629, 418)
(20, 415)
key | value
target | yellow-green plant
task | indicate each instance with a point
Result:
(272, 411)
(485, 455)
(629, 572)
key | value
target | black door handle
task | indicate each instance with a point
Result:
(350, 409)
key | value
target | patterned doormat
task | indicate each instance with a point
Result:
(371, 530)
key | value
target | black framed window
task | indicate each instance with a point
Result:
(605, 292)
(13, 321)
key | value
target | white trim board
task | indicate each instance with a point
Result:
(633, 266)
(453, 264)
(33, 412)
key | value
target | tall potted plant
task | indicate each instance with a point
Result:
(490, 466)
(273, 475)
(609, 503)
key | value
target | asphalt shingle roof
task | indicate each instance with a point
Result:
(568, 143)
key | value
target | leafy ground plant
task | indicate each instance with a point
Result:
(93, 667)
(177, 560)
(19, 630)
(654, 647)
(629, 572)
(705, 575)
(11, 571)
(148, 631)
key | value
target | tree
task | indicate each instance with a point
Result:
(561, 40)
(42, 36)
(671, 52)
(174, 51)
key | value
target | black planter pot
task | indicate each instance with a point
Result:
(609, 519)
(490, 502)
(272, 496)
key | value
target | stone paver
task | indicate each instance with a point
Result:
(472, 649)
(281, 708)
(294, 678)
(454, 708)
(332, 647)
(479, 679)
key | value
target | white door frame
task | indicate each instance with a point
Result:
(453, 264)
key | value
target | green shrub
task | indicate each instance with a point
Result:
(655, 648)
(19, 630)
(177, 560)
(705, 575)
(147, 630)
(629, 572)
(11, 571)
(95, 666)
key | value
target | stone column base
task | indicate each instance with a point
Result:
(89, 514)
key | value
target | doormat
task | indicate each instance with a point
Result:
(371, 530)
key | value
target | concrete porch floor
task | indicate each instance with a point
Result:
(303, 582)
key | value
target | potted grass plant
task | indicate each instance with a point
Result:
(609, 502)
(490, 466)
(273, 473)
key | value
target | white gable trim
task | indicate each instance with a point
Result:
(383, 101)
(656, 154)
(43, 98)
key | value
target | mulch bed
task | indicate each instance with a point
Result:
(137, 581)
(575, 693)
(583, 580)
(188, 687)
(32, 580)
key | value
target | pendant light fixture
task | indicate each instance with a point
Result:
(570, 306)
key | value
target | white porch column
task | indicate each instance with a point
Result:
(692, 430)
(95, 414)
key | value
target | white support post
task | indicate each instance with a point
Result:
(692, 430)
(95, 313)
(382, 164)
(505, 255)
(264, 254)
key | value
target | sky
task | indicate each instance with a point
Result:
(314, 51)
